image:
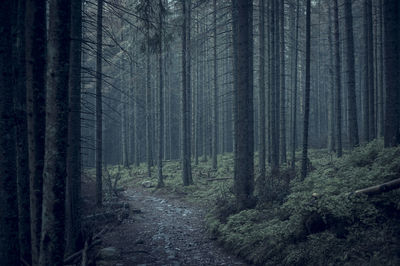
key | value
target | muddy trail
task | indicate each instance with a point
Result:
(163, 231)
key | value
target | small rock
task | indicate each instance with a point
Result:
(109, 253)
(147, 184)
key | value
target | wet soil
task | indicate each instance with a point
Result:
(162, 230)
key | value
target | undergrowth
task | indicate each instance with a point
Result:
(321, 222)
(318, 221)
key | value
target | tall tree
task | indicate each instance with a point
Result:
(242, 14)
(261, 95)
(55, 166)
(369, 74)
(391, 10)
(99, 107)
(186, 160)
(9, 247)
(35, 51)
(282, 118)
(296, 56)
(160, 94)
(304, 163)
(215, 98)
(73, 191)
(351, 83)
(24, 220)
(338, 81)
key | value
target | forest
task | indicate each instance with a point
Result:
(199, 132)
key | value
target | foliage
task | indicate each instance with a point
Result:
(321, 222)
(315, 222)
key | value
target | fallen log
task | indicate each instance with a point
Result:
(385, 187)
(219, 179)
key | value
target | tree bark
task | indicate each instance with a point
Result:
(99, 104)
(186, 160)
(55, 167)
(392, 71)
(215, 97)
(21, 133)
(304, 163)
(35, 50)
(244, 137)
(73, 191)
(338, 81)
(9, 247)
(351, 84)
(161, 100)
(282, 118)
(261, 134)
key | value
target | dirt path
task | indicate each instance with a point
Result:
(164, 232)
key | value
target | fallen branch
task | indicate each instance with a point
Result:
(385, 187)
(219, 179)
(76, 255)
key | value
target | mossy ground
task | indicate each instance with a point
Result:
(315, 222)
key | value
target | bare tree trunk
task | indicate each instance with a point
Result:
(186, 160)
(35, 25)
(22, 159)
(392, 68)
(73, 191)
(304, 163)
(282, 99)
(244, 137)
(294, 131)
(331, 111)
(160, 95)
(149, 133)
(370, 68)
(338, 81)
(9, 247)
(215, 97)
(55, 167)
(261, 95)
(99, 105)
(351, 83)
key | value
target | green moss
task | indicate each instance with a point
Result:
(315, 222)
(321, 222)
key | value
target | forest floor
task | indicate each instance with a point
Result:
(163, 229)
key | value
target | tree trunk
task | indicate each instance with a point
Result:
(331, 111)
(99, 104)
(294, 130)
(161, 100)
(186, 160)
(215, 98)
(73, 191)
(35, 50)
(55, 167)
(9, 247)
(370, 69)
(338, 81)
(22, 159)
(351, 83)
(282, 99)
(149, 133)
(392, 71)
(304, 163)
(261, 135)
(243, 60)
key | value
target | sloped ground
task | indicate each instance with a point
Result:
(163, 230)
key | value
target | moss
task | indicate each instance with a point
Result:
(320, 222)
